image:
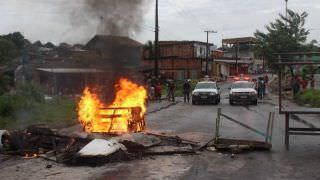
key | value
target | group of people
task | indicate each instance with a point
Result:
(155, 90)
(261, 85)
(297, 83)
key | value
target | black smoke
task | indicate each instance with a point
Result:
(110, 17)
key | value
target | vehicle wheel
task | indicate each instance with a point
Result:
(255, 102)
(193, 102)
(216, 102)
(231, 102)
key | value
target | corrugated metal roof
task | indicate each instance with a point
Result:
(70, 70)
(183, 42)
(233, 61)
(239, 40)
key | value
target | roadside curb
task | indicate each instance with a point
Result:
(163, 107)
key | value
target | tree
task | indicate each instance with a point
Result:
(5, 83)
(8, 51)
(17, 38)
(283, 35)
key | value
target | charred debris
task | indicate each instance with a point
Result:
(90, 149)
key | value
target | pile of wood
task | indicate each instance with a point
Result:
(46, 143)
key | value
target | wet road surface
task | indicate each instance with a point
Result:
(198, 123)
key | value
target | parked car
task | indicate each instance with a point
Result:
(206, 92)
(242, 77)
(243, 92)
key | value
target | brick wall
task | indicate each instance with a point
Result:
(178, 60)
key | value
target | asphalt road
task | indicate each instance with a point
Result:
(198, 123)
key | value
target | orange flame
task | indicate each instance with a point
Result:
(95, 116)
(30, 156)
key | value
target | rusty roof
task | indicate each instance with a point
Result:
(183, 43)
(239, 40)
(70, 70)
(106, 41)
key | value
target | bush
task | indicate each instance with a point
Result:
(27, 106)
(309, 96)
(179, 88)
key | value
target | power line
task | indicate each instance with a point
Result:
(186, 14)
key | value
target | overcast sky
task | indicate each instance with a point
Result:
(47, 20)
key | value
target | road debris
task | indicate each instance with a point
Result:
(101, 147)
(236, 146)
(41, 142)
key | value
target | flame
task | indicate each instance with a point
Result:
(95, 116)
(30, 156)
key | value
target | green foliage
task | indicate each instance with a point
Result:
(16, 38)
(8, 50)
(5, 82)
(283, 35)
(309, 96)
(27, 106)
(179, 88)
(10, 46)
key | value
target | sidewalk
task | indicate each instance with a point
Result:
(309, 120)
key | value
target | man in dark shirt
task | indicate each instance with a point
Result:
(186, 91)
(172, 88)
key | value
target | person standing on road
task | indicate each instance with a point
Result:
(295, 84)
(158, 91)
(172, 88)
(312, 82)
(186, 91)
(266, 79)
(266, 82)
(256, 85)
(261, 87)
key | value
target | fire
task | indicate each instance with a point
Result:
(30, 156)
(125, 114)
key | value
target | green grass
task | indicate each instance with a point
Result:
(179, 88)
(309, 96)
(27, 107)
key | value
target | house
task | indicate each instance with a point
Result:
(98, 64)
(180, 60)
(122, 51)
(236, 57)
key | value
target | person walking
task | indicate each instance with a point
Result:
(186, 91)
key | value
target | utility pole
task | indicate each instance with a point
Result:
(286, 9)
(237, 58)
(207, 53)
(156, 48)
